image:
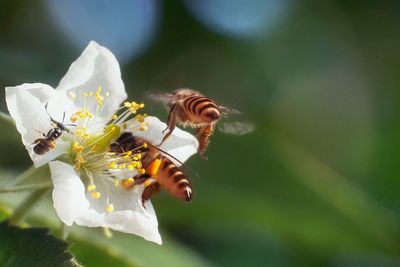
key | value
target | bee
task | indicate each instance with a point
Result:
(160, 170)
(190, 108)
(44, 145)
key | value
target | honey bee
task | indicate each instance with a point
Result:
(44, 145)
(190, 108)
(160, 170)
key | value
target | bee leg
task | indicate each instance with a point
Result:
(151, 187)
(203, 135)
(171, 123)
(52, 145)
(37, 141)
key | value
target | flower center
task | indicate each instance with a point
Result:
(97, 165)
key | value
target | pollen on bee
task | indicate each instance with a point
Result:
(95, 195)
(153, 167)
(91, 187)
(110, 208)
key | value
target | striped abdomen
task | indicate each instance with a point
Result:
(201, 109)
(170, 177)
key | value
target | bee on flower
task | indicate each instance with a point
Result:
(91, 183)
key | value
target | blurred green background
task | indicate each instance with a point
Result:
(316, 184)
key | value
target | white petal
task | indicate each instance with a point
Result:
(180, 144)
(72, 204)
(129, 215)
(96, 66)
(69, 198)
(26, 105)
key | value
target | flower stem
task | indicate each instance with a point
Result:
(19, 188)
(6, 117)
(64, 231)
(25, 207)
(23, 176)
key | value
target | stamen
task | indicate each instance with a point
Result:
(127, 183)
(95, 195)
(91, 187)
(110, 208)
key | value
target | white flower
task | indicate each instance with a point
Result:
(88, 180)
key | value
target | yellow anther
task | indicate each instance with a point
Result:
(131, 167)
(79, 158)
(77, 166)
(127, 183)
(127, 104)
(145, 145)
(77, 148)
(91, 94)
(95, 195)
(139, 118)
(110, 208)
(99, 89)
(122, 166)
(86, 135)
(107, 93)
(72, 95)
(79, 133)
(128, 154)
(114, 117)
(116, 182)
(85, 94)
(74, 118)
(91, 187)
(124, 125)
(147, 182)
(113, 165)
(143, 127)
(112, 129)
(142, 171)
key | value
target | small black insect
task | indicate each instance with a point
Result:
(44, 145)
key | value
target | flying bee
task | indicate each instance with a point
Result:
(190, 108)
(44, 145)
(160, 170)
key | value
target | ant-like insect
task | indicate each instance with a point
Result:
(43, 145)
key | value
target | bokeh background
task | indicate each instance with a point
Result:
(316, 184)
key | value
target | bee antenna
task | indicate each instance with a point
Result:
(169, 155)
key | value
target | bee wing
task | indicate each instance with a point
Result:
(227, 112)
(164, 99)
(234, 122)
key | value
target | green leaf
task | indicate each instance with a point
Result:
(32, 247)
